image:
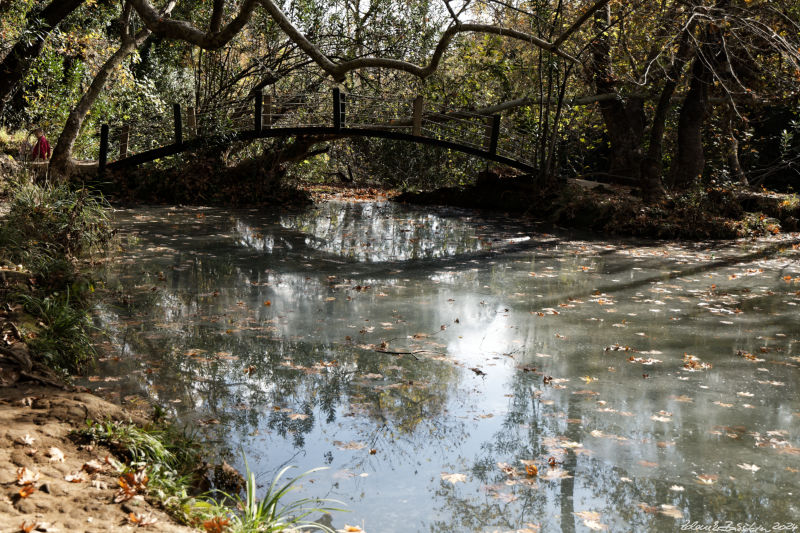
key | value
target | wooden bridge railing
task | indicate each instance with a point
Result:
(265, 117)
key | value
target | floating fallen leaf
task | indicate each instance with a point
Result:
(26, 527)
(749, 467)
(27, 440)
(350, 529)
(706, 479)
(352, 445)
(555, 473)
(670, 511)
(692, 363)
(531, 470)
(454, 478)
(55, 454)
(591, 519)
(676, 488)
(26, 491)
(297, 416)
(650, 509)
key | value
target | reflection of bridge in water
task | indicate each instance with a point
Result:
(326, 115)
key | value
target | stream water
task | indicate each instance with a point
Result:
(432, 358)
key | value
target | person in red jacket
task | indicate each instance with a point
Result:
(41, 150)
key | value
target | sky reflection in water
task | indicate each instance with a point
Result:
(270, 332)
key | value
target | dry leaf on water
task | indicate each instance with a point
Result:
(454, 478)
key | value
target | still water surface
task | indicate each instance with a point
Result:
(430, 358)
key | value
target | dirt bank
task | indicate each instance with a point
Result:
(68, 495)
(716, 212)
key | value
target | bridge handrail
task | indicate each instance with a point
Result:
(248, 118)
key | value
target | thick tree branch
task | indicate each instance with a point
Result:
(185, 31)
(338, 71)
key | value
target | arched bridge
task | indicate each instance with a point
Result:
(333, 114)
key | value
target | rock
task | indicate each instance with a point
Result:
(26, 506)
(19, 458)
(41, 403)
(228, 479)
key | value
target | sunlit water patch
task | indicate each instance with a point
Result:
(467, 373)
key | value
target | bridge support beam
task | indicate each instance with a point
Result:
(492, 134)
(102, 158)
(176, 116)
(259, 110)
(416, 116)
(191, 121)
(268, 110)
(124, 134)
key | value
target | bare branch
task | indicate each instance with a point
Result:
(599, 4)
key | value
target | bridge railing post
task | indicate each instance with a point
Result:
(492, 134)
(176, 117)
(338, 109)
(259, 110)
(268, 110)
(124, 135)
(416, 119)
(191, 121)
(102, 158)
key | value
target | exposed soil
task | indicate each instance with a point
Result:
(35, 419)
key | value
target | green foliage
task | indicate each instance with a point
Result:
(170, 457)
(62, 340)
(54, 220)
(270, 514)
(46, 227)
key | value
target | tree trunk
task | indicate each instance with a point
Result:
(652, 165)
(732, 148)
(60, 163)
(16, 64)
(624, 120)
(690, 160)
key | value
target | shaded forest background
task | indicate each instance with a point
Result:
(665, 95)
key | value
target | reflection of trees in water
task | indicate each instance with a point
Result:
(391, 414)
(528, 429)
(375, 232)
(272, 379)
